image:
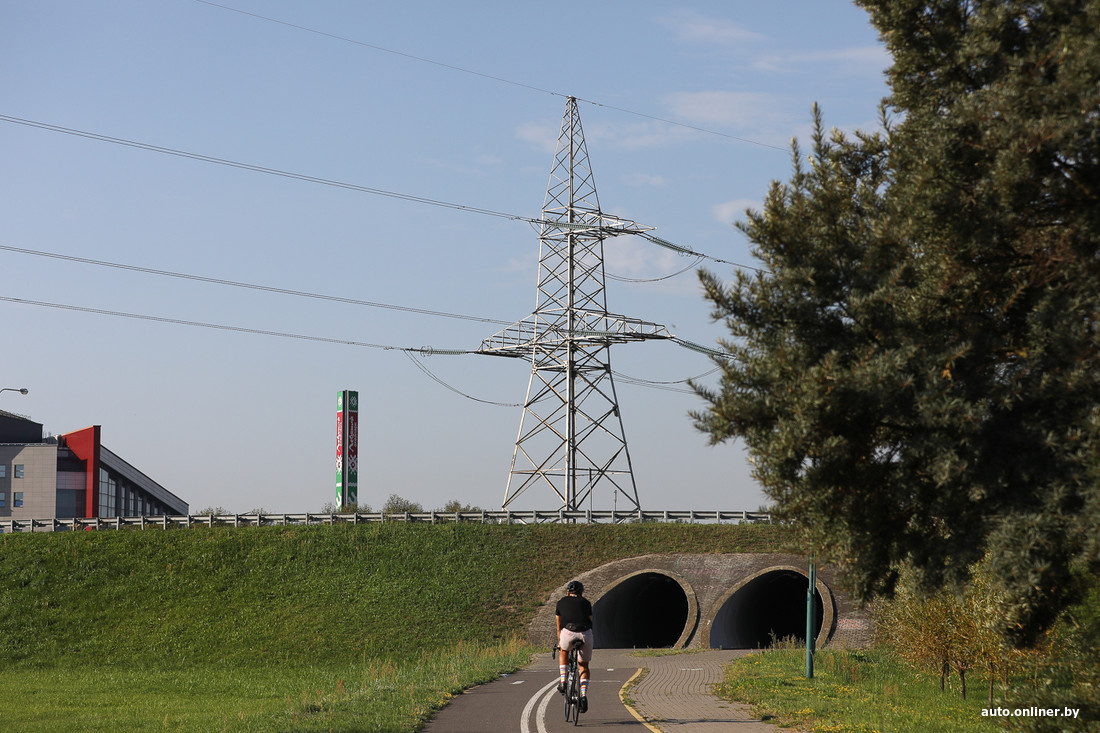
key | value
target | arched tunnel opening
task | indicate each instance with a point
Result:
(767, 608)
(648, 611)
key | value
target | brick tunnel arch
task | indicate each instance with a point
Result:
(767, 606)
(648, 609)
(721, 591)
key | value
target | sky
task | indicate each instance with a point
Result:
(453, 102)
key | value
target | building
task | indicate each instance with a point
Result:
(72, 475)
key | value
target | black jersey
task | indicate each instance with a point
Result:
(575, 613)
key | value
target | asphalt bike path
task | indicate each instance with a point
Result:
(673, 696)
(528, 702)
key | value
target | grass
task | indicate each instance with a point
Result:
(380, 695)
(368, 627)
(664, 652)
(852, 692)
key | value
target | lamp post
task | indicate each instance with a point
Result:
(20, 390)
(810, 620)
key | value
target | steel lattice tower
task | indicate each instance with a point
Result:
(571, 436)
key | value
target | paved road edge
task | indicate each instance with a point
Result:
(630, 708)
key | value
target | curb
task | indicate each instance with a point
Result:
(630, 708)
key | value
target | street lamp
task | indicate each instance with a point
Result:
(20, 390)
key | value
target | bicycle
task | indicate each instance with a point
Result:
(573, 684)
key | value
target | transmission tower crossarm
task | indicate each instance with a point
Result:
(594, 327)
(595, 223)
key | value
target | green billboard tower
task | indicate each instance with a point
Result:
(347, 448)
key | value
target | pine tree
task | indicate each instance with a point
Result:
(916, 371)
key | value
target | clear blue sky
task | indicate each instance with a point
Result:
(246, 421)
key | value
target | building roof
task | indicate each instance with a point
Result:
(5, 413)
(114, 462)
(16, 428)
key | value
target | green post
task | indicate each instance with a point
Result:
(810, 608)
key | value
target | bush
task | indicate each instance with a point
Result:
(1070, 676)
(455, 506)
(399, 505)
(959, 630)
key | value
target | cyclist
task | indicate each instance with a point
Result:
(574, 618)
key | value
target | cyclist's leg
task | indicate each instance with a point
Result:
(582, 693)
(564, 641)
(583, 659)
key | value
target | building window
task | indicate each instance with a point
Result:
(3, 470)
(18, 470)
(17, 498)
(107, 495)
(3, 499)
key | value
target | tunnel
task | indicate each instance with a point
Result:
(648, 610)
(768, 607)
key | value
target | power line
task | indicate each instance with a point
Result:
(667, 386)
(409, 351)
(251, 286)
(690, 252)
(221, 327)
(491, 77)
(436, 379)
(692, 346)
(256, 168)
(337, 184)
(319, 296)
(383, 49)
(681, 271)
(426, 350)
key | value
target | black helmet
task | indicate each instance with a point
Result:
(575, 586)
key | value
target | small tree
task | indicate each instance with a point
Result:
(952, 628)
(919, 629)
(454, 506)
(331, 508)
(399, 505)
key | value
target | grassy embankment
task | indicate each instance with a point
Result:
(366, 627)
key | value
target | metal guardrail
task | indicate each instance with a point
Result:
(496, 517)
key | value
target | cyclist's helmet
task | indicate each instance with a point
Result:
(575, 586)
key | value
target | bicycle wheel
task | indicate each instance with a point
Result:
(572, 691)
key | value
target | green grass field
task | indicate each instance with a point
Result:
(368, 627)
(853, 692)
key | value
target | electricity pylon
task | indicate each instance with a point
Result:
(571, 436)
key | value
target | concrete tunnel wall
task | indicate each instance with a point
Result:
(768, 606)
(708, 601)
(648, 609)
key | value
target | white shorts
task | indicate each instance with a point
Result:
(565, 641)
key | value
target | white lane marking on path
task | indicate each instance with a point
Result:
(524, 727)
(519, 682)
(540, 716)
